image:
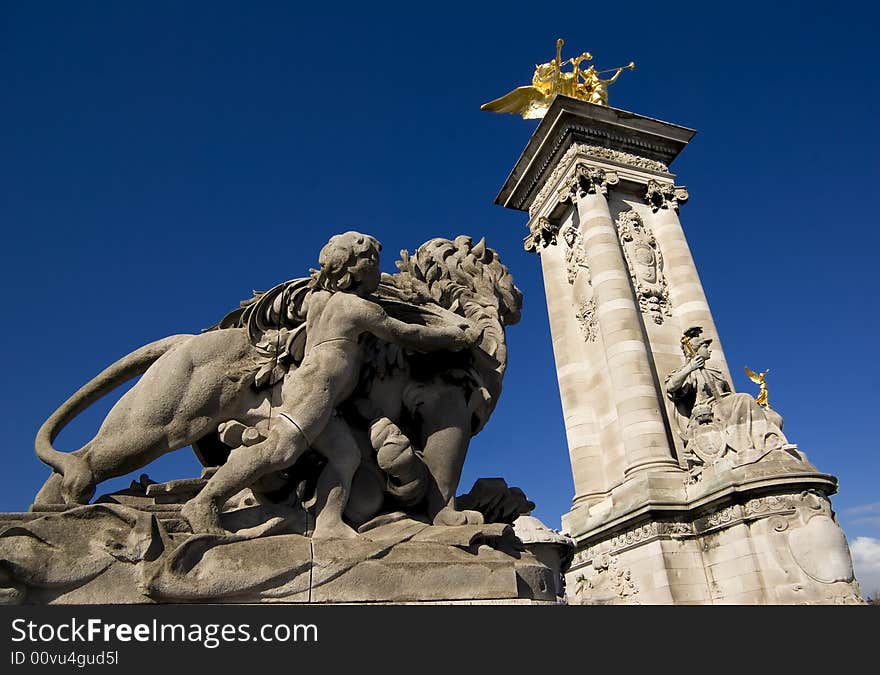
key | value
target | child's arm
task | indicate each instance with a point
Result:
(375, 320)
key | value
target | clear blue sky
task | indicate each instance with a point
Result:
(158, 160)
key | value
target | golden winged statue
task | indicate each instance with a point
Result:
(532, 102)
(760, 380)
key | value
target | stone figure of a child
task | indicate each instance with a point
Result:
(339, 313)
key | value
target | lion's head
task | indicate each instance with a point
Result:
(456, 273)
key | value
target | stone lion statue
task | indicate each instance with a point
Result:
(359, 390)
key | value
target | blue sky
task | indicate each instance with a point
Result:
(159, 160)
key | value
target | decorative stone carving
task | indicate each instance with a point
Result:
(607, 583)
(338, 434)
(577, 150)
(765, 506)
(810, 548)
(542, 234)
(587, 180)
(819, 546)
(645, 265)
(575, 257)
(716, 424)
(665, 195)
(622, 158)
(587, 320)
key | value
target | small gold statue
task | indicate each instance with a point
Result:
(549, 80)
(760, 380)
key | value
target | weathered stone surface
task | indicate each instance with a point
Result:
(127, 556)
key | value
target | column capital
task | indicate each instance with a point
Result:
(665, 195)
(542, 233)
(587, 180)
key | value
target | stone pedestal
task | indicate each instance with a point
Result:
(622, 288)
(133, 547)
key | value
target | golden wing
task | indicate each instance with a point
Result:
(525, 101)
(753, 376)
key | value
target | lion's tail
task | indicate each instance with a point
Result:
(125, 369)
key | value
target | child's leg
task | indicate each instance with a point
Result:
(339, 446)
(244, 467)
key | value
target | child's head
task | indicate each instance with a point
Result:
(348, 261)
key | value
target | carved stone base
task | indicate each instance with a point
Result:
(113, 553)
(757, 534)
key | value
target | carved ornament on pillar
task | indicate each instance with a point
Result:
(606, 583)
(575, 257)
(576, 262)
(645, 265)
(542, 234)
(665, 195)
(587, 180)
(587, 320)
(571, 156)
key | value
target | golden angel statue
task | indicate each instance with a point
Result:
(532, 102)
(761, 380)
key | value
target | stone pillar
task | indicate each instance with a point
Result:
(633, 387)
(571, 367)
(750, 525)
(689, 304)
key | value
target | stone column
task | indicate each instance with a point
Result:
(571, 367)
(635, 394)
(689, 304)
(743, 531)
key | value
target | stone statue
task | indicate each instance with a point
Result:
(713, 421)
(259, 369)
(332, 414)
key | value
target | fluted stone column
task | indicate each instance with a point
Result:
(689, 304)
(643, 430)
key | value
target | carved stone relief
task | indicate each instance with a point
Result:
(587, 322)
(607, 582)
(816, 542)
(809, 548)
(665, 195)
(575, 257)
(575, 260)
(645, 265)
(797, 531)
